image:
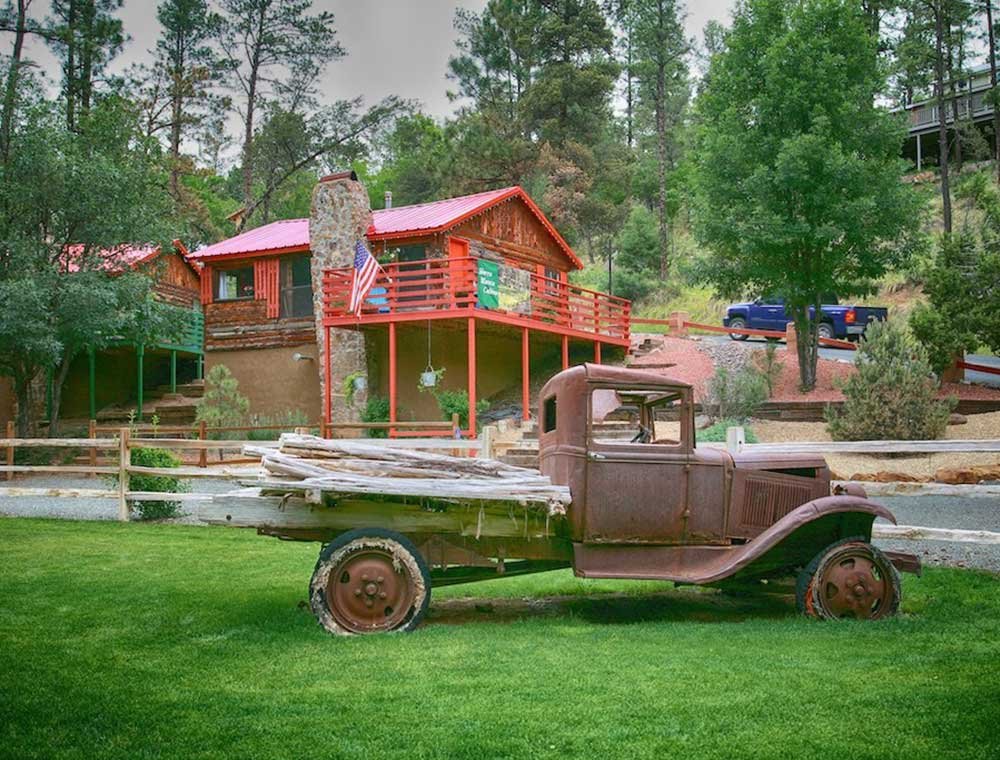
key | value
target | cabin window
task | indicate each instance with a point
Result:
(409, 253)
(233, 284)
(654, 416)
(296, 286)
(549, 415)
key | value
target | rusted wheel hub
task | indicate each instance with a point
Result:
(853, 580)
(369, 581)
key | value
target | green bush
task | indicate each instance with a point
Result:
(735, 395)
(376, 410)
(717, 433)
(893, 394)
(155, 510)
(457, 402)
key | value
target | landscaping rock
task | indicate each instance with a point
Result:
(884, 476)
(957, 419)
(967, 475)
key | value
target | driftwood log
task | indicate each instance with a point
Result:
(311, 482)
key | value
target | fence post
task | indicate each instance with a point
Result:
(456, 427)
(124, 462)
(735, 438)
(10, 449)
(203, 454)
(92, 434)
(488, 434)
(677, 326)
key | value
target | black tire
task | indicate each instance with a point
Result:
(808, 597)
(825, 330)
(740, 324)
(409, 586)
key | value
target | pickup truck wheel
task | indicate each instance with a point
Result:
(740, 324)
(370, 581)
(825, 330)
(849, 579)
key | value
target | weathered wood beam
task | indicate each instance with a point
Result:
(919, 533)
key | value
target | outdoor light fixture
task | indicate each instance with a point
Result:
(302, 357)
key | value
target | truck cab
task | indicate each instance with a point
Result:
(659, 507)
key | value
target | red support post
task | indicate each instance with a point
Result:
(472, 376)
(565, 352)
(525, 384)
(327, 379)
(597, 352)
(392, 378)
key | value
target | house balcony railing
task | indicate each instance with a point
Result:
(442, 288)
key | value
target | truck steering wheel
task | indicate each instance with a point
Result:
(645, 435)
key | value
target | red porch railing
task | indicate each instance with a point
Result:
(450, 285)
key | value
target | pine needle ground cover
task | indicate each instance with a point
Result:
(158, 641)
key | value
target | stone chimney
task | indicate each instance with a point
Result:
(339, 218)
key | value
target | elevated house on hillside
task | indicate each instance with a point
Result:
(473, 293)
(971, 101)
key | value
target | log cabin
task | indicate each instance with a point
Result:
(473, 294)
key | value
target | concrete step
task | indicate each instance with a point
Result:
(614, 430)
(194, 389)
(516, 460)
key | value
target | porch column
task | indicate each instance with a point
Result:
(173, 372)
(327, 391)
(597, 352)
(200, 367)
(472, 376)
(140, 350)
(920, 155)
(92, 382)
(565, 352)
(525, 379)
(393, 370)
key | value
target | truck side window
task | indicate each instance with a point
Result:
(549, 415)
(638, 416)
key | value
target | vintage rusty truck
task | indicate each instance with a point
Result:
(655, 507)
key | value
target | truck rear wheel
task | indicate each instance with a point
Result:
(370, 581)
(849, 579)
(825, 330)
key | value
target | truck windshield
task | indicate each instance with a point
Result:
(634, 416)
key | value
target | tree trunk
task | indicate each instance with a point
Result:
(22, 392)
(70, 65)
(942, 119)
(953, 95)
(993, 87)
(176, 116)
(10, 91)
(806, 342)
(58, 382)
(87, 57)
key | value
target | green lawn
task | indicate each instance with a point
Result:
(136, 641)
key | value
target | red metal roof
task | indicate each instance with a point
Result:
(283, 236)
(387, 224)
(120, 257)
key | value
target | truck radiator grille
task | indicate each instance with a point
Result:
(765, 500)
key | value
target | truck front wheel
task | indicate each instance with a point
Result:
(738, 323)
(849, 579)
(370, 581)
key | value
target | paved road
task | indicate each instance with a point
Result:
(838, 354)
(947, 512)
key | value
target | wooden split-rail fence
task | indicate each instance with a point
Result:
(121, 446)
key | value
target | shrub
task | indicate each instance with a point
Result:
(457, 402)
(893, 394)
(717, 433)
(769, 366)
(155, 510)
(223, 405)
(735, 395)
(376, 410)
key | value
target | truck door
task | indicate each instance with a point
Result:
(637, 473)
(772, 312)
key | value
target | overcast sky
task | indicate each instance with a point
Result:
(396, 47)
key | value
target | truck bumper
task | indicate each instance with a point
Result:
(856, 329)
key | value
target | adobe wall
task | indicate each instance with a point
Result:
(273, 381)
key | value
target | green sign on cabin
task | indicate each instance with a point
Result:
(488, 284)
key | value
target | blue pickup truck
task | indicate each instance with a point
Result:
(836, 320)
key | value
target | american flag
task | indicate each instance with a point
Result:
(365, 270)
